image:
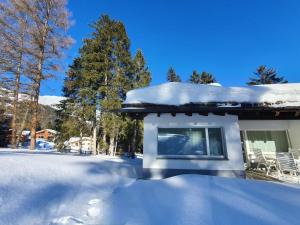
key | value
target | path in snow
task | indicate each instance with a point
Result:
(59, 189)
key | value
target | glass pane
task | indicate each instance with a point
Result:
(257, 140)
(215, 141)
(281, 142)
(181, 141)
(268, 141)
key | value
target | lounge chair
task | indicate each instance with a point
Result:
(295, 152)
(286, 163)
(261, 160)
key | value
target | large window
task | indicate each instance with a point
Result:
(268, 141)
(206, 142)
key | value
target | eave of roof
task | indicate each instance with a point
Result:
(243, 110)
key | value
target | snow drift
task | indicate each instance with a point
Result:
(55, 189)
(173, 93)
(203, 200)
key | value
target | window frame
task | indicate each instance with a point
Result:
(198, 157)
(247, 144)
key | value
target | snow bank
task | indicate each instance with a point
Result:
(43, 188)
(203, 200)
(172, 93)
(60, 189)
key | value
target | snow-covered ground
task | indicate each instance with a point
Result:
(48, 188)
(52, 188)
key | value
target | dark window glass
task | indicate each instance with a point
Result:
(215, 141)
(181, 141)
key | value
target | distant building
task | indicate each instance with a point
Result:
(74, 143)
(47, 134)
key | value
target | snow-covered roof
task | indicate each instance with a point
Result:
(49, 130)
(52, 131)
(173, 93)
(76, 139)
(25, 132)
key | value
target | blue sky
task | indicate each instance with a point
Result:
(228, 38)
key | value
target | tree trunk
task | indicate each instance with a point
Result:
(103, 148)
(80, 142)
(35, 103)
(22, 125)
(134, 137)
(37, 82)
(15, 108)
(34, 120)
(14, 140)
(111, 145)
(116, 143)
(94, 141)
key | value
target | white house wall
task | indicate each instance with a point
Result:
(294, 133)
(155, 167)
(292, 126)
(264, 124)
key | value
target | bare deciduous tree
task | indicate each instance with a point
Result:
(49, 21)
(13, 35)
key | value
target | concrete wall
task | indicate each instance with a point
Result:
(154, 166)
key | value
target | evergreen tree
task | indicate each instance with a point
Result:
(263, 75)
(172, 76)
(207, 78)
(134, 128)
(70, 120)
(195, 78)
(118, 85)
(96, 85)
(142, 75)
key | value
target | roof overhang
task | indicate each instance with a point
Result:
(245, 111)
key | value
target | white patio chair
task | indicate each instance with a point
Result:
(286, 163)
(295, 152)
(261, 160)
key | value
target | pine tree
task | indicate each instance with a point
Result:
(98, 69)
(195, 78)
(207, 78)
(96, 85)
(142, 79)
(263, 75)
(107, 73)
(172, 76)
(120, 84)
(141, 72)
(69, 121)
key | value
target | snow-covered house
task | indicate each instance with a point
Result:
(47, 134)
(193, 128)
(75, 143)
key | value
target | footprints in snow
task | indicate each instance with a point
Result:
(92, 212)
(95, 210)
(94, 201)
(70, 220)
